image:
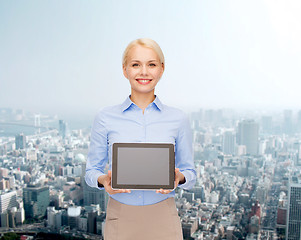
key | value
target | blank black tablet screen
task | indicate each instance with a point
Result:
(144, 167)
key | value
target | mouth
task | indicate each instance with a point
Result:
(143, 81)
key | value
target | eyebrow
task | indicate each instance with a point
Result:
(147, 61)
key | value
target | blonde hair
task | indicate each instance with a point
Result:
(144, 42)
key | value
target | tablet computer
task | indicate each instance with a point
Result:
(143, 166)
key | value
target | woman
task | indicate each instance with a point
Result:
(141, 118)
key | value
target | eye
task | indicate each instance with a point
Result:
(135, 65)
(152, 65)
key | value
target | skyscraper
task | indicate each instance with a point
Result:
(95, 196)
(293, 223)
(63, 128)
(247, 135)
(229, 142)
(36, 200)
(20, 141)
(37, 122)
(8, 200)
(288, 122)
(299, 121)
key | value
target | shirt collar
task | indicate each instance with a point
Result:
(158, 103)
(128, 102)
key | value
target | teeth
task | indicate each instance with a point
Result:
(144, 81)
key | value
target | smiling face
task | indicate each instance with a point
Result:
(143, 69)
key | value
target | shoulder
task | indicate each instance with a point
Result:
(108, 111)
(176, 113)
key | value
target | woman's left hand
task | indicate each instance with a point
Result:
(179, 178)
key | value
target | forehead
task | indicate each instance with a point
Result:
(142, 54)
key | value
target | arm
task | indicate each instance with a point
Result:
(98, 152)
(184, 155)
(98, 158)
(185, 174)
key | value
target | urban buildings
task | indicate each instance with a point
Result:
(8, 200)
(20, 141)
(63, 127)
(247, 135)
(242, 190)
(36, 201)
(293, 230)
(229, 142)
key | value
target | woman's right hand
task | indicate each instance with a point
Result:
(105, 180)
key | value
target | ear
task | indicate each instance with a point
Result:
(162, 70)
(124, 71)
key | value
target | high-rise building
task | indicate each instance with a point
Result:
(63, 128)
(51, 217)
(299, 121)
(4, 220)
(92, 222)
(293, 223)
(196, 119)
(247, 135)
(95, 196)
(20, 216)
(229, 142)
(3, 184)
(288, 122)
(37, 122)
(20, 141)
(189, 227)
(8, 200)
(83, 223)
(36, 201)
(256, 210)
(73, 216)
(3, 172)
(12, 217)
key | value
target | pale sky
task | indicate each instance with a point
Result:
(65, 56)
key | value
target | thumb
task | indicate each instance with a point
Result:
(109, 173)
(177, 170)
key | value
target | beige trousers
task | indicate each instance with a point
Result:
(158, 221)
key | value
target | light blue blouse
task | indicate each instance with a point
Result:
(127, 123)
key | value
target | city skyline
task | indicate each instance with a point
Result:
(242, 191)
(62, 57)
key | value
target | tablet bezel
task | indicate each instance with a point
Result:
(169, 146)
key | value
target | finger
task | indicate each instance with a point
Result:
(162, 191)
(114, 191)
(123, 191)
(159, 190)
(119, 191)
(109, 173)
(177, 170)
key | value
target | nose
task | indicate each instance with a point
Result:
(144, 70)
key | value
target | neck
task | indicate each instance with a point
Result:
(142, 100)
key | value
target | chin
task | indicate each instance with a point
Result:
(144, 91)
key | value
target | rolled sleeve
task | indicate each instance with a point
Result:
(184, 154)
(98, 152)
